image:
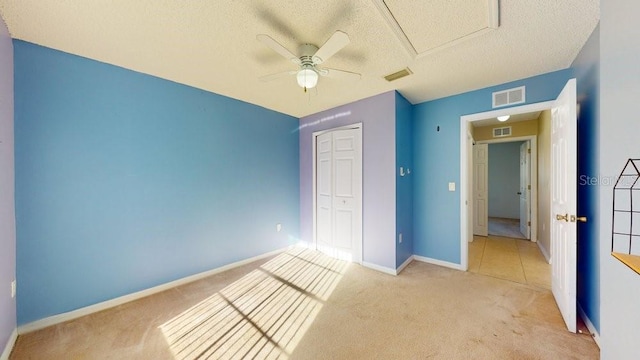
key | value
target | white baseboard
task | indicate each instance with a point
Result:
(383, 269)
(74, 314)
(544, 252)
(587, 321)
(9, 346)
(439, 262)
(404, 265)
(305, 245)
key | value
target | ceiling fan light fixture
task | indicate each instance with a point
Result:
(307, 78)
(503, 118)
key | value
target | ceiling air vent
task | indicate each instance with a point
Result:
(398, 74)
(509, 97)
(502, 132)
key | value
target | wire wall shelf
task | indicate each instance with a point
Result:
(625, 234)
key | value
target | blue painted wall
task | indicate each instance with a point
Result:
(504, 180)
(404, 184)
(586, 67)
(436, 160)
(126, 181)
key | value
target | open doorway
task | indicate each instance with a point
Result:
(505, 198)
(478, 129)
(504, 182)
(509, 185)
(560, 191)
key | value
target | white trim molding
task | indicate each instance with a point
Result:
(439, 263)
(404, 264)
(544, 252)
(74, 314)
(382, 269)
(387, 270)
(590, 326)
(9, 347)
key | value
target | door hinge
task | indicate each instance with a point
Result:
(529, 151)
(529, 187)
(529, 223)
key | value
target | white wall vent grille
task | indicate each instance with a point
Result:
(502, 132)
(509, 97)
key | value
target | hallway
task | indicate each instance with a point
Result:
(505, 228)
(510, 259)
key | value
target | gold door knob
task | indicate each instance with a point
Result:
(578, 218)
(564, 217)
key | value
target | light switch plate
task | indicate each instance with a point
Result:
(452, 186)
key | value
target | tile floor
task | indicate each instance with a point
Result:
(509, 259)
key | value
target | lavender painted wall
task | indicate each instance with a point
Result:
(617, 134)
(377, 115)
(7, 207)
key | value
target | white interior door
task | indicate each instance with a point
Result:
(324, 193)
(339, 194)
(480, 189)
(563, 203)
(525, 189)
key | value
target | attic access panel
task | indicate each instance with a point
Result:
(625, 234)
(440, 23)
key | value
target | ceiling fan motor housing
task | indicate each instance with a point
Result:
(306, 52)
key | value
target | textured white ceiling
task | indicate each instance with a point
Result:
(440, 21)
(212, 44)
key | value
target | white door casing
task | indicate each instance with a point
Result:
(339, 194)
(525, 189)
(468, 195)
(563, 202)
(480, 189)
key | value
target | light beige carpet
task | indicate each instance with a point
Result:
(303, 305)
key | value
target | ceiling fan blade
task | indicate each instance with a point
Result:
(277, 75)
(336, 42)
(275, 46)
(341, 74)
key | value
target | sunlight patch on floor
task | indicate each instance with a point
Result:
(264, 314)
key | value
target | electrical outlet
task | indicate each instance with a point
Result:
(13, 289)
(278, 227)
(400, 238)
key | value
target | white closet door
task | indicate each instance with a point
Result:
(339, 194)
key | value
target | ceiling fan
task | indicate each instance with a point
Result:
(310, 56)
